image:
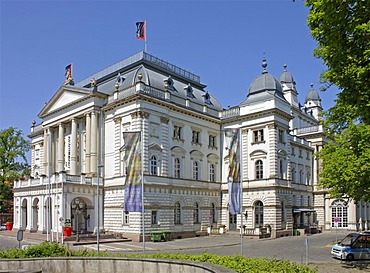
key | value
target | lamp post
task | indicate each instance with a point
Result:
(77, 205)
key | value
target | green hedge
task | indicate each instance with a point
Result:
(238, 263)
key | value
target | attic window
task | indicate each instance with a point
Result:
(168, 84)
(207, 98)
(189, 91)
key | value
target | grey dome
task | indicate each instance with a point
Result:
(312, 95)
(264, 82)
(286, 76)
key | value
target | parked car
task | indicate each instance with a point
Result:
(2, 227)
(354, 246)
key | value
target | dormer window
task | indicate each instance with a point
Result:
(189, 91)
(168, 84)
(207, 98)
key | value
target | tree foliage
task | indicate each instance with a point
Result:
(346, 163)
(342, 31)
(13, 162)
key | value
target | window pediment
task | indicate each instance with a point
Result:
(258, 153)
(155, 147)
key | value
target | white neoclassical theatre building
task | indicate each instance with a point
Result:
(78, 171)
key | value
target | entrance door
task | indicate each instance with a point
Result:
(232, 221)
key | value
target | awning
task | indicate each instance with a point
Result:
(299, 210)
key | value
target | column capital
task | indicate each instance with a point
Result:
(117, 120)
(165, 120)
(140, 114)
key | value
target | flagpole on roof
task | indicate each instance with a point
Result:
(145, 48)
(142, 182)
(241, 191)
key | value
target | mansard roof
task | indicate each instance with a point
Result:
(155, 73)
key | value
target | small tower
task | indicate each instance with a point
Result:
(313, 102)
(288, 84)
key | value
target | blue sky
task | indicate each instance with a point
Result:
(221, 41)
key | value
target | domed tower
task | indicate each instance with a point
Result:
(263, 88)
(313, 102)
(288, 84)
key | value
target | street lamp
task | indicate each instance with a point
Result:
(77, 205)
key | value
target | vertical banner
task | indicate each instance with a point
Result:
(233, 178)
(133, 185)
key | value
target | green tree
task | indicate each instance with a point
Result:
(13, 163)
(342, 31)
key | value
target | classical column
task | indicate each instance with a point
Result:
(45, 150)
(73, 146)
(60, 154)
(273, 150)
(88, 145)
(117, 145)
(141, 123)
(94, 137)
(165, 141)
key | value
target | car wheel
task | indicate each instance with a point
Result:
(350, 257)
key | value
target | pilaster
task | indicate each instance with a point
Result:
(165, 141)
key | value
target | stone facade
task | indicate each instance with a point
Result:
(78, 155)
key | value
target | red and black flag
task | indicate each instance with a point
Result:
(140, 30)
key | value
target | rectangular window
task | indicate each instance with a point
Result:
(126, 218)
(258, 136)
(308, 155)
(177, 130)
(212, 141)
(195, 137)
(293, 151)
(300, 153)
(281, 136)
(154, 217)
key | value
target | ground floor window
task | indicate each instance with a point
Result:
(339, 214)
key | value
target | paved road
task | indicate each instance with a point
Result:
(314, 249)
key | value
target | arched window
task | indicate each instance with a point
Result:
(301, 176)
(293, 175)
(258, 213)
(196, 170)
(259, 169)
(212, 173)
(339, 213)
(153, 165)
(196, 214)
(177, 168)
(177, 213)
(213, 213)
(281, 169)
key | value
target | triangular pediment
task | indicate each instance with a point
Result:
(66, 95)
(155, 147)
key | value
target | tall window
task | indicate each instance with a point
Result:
(213, 213)
(281, 136)
(195, 137)
(177, 213)
(259, 169)
(258, 213)
(293, 175)
(153, 165)
(154, 217)
(126, 218)
(196, 170)
(212, 141)
(212, 173)
(281, 169)
(196, 214)
(339, 210)
(177, 130)
(177, 168)
(258, 136)
(301, 176)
